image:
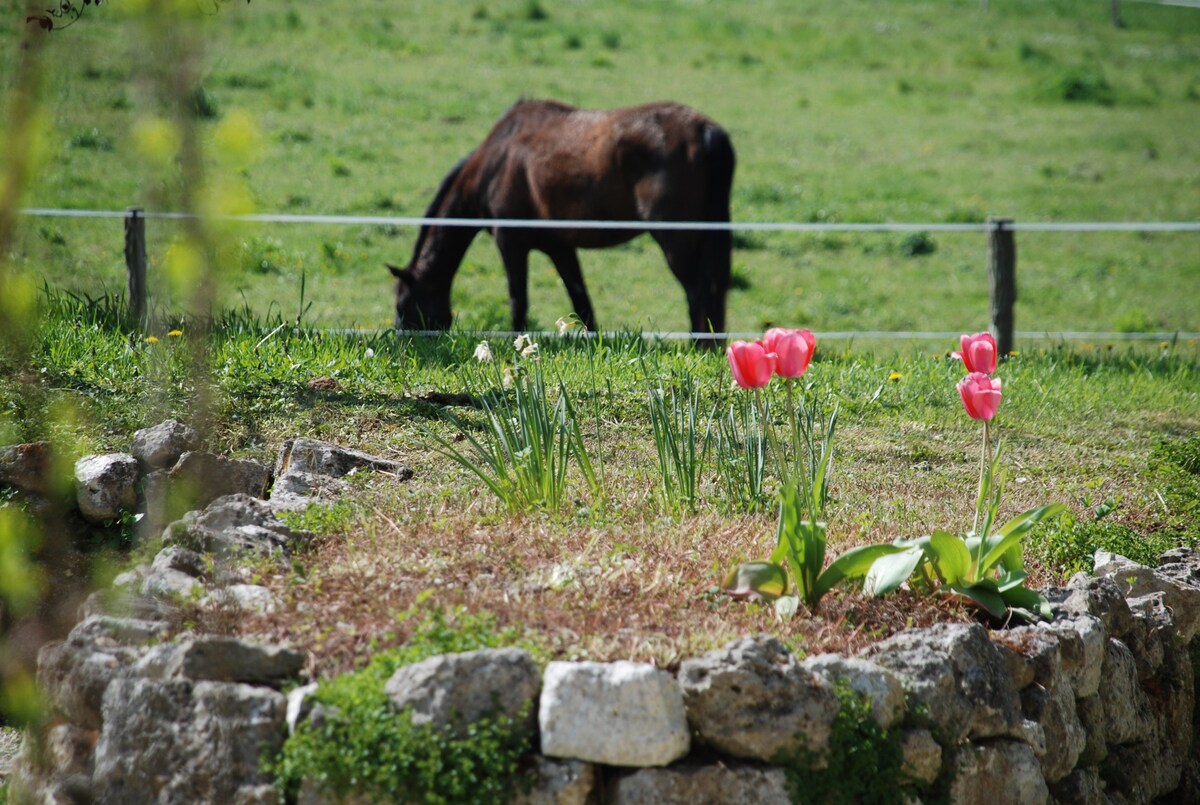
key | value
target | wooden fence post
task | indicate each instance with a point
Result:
(135, 261)
(1002, 278)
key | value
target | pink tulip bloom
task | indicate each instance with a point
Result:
(978, 352)
(751, 363)
(980, 395)
(793, 350)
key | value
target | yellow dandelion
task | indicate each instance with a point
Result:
(1014, 354)
(174, 333)
(1164, 344)
(150, 339)
(895, 376)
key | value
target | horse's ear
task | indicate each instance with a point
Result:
(397, 272)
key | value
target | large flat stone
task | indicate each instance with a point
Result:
(620, 713)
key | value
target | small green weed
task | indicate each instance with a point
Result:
(1067, 546)
(90, 139)
(917, 244)
(863, 764)
(363, 745)
(321, 520)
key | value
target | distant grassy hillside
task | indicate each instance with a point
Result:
(926, 111)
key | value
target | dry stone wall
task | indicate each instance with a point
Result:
(1094, 706)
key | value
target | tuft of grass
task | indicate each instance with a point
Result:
(361, 745)
(863, 764)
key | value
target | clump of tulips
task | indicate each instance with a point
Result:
(987, 565)
(804, 489)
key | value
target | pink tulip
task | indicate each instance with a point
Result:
(751, 363)
(978, 352)
(980, 395)
(793, 350)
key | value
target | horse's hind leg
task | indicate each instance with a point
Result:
(566, 262)
(516, 268)
(682, 250)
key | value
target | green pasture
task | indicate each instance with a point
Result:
(930, 111)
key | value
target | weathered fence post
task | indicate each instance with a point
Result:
(135, 261)
(1114, 8)
(1002, 279)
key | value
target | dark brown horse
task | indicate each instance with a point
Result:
(547, 160)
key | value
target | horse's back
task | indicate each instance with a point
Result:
(549, 159)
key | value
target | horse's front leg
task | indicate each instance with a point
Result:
(566, 262)
(516, 267)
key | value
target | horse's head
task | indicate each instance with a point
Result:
(415, 306)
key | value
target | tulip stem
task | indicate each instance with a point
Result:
(985, 466)
(784, 477)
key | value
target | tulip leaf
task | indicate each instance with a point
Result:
(1030, 603)
(853, 564)
(950, 555)
(1010, 535)
(985, 594)
(756, 581)
(890, 571)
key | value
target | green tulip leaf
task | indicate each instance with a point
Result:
(951, 556)
(756, 581)
(985, 594)
(853, 564)
(1006, 544)
(890, 571)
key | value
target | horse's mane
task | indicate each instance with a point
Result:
(439, 198)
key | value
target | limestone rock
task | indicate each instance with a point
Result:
(1127, 716)
(170, 585)
(1182, 597)
(27, 466)
(1080, 787)
(559, 782)
(241, 598)
(957, 676)
(161, 446)
(702, 785)
(922, 755)
(184, 741)
(232, 525)
(206, 477)
(182, 560)
(752, 700)
(1100, 597)
(322, 458)
(881, 687)
(105, 485)
(1082, 640)
(1053, 708)
(227, 659)
(74, 673)
(1090, 710)
(459, 689)
(621, 714)
(296, 490)
(998, 773)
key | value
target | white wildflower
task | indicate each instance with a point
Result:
(483, 353)
(530, 351)
(522, 341)
(370, 353)
(566, 323)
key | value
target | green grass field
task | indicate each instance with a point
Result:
(842, 112)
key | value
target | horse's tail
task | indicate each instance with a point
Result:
(717, 245)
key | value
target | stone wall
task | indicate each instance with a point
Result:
(1094, 706)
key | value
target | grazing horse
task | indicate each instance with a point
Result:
(545, 160)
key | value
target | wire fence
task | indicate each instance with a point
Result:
(997, 229)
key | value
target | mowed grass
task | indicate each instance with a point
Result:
(842, 112)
